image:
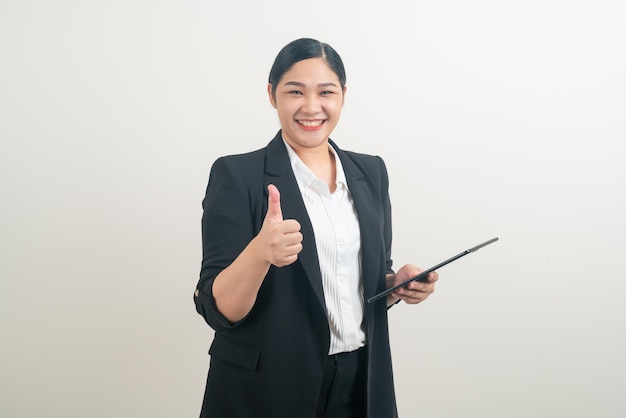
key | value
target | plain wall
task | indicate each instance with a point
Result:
(494, 118)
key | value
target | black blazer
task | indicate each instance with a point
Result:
(270, 363)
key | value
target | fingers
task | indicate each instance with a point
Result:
(432, 277)
(417, 291)
(281, 239)
(413, 296)
(274, 212)
(285, 243)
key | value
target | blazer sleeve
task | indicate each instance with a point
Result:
(229, 222)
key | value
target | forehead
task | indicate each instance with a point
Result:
(312, 70)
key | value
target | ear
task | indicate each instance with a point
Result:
(343, 95)
(271, 96)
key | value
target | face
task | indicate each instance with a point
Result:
(308, 99)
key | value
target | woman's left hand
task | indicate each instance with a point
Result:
(414, 292)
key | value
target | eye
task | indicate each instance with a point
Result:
(296, 92)
(326, 92)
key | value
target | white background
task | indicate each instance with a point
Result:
(495, 118)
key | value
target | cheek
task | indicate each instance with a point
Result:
(286, 108)
(336, 109)
(337, 105)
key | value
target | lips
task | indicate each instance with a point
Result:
(311, 125)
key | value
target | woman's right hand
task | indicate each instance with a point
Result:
(280, 240)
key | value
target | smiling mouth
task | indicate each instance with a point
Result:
(310, 123)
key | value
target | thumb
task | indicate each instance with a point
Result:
(274, 212)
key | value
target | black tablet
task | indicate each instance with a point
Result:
(422, 276)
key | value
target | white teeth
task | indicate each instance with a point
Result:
(310, 123)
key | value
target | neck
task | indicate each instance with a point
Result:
(320, 160)
(322, 164)
(314, 156)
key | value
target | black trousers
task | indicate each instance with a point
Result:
(344, 386)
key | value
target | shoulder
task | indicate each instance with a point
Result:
(365, 159)
(243, 164)
(237, 165)
(244, 158)
(358, 157)
(237, 174)
(369, 165)
(252, 158)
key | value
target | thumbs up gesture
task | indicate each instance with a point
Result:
(281, 240)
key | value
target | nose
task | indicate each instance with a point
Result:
(312, 104)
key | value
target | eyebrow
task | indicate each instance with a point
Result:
(299, 84)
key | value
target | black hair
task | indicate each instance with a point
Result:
(302, 49)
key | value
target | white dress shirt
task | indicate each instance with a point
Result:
(338, 242)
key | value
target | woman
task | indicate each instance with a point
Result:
(295, 237)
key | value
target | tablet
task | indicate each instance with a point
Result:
(422, 276)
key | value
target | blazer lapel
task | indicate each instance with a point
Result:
(369, 222)
(278, 172)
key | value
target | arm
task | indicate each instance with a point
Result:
(234, 246)
(236, 287)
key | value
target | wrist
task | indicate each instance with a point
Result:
(257, 250)
(389, 279)
(392, 300)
